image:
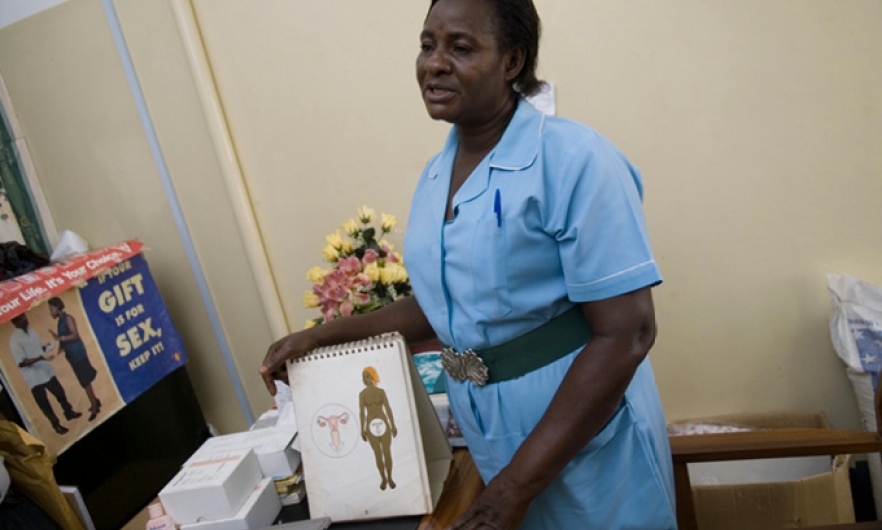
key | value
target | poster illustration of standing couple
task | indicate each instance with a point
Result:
(34, 358)
(81, 339)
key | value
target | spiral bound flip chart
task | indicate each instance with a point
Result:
(372, 445)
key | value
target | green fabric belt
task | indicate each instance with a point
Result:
(535, 349)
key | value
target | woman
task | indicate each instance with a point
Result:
(526, 243)
(377, 424)
(69, 341)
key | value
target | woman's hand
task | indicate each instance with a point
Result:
(403, 315)
(291, 347)
(54, 335)
(501, 506)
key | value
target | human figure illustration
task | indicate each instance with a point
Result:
(377, 424)
(333, 423)
(69, 342)
(29, 353)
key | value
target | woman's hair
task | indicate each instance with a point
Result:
(371, 371)
(517, 24)
(56, 302)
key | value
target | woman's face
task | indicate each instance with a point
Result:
(463, 77)
(54, 311)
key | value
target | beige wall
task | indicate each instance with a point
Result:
(756, 125)
(90, 150)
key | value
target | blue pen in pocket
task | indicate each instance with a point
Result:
(497, 208)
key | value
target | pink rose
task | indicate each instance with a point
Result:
(349, 265)
(370, 256)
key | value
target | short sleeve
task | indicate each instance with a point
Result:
(599, 224)
(16, 348)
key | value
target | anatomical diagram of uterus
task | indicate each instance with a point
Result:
(334, 430)
(333, 423)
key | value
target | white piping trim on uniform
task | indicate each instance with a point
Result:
(629, 269)
(535, 153)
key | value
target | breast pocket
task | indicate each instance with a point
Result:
(490, 269)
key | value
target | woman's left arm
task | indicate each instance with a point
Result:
(624, 331)
(390, 415)
(73, 332)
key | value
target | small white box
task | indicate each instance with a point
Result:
(259, 511)
(211, 488)
(272, 445)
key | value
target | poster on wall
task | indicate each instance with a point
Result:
(81, 339)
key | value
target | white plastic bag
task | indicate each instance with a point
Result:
(856, 332)
(69, 245)
(856, 323)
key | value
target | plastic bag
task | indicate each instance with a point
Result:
(691, 428)
(69, 245)
(4, 479)
(30, 468)
(856, 332)
(856, 323)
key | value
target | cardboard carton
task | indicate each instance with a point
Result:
(259, 511)
(783, 493)
(272, 445)
(212, 488)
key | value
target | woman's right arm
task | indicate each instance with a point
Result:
(403, 315)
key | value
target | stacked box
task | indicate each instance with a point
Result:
(272, 446)
(211, 488)
(259, 511)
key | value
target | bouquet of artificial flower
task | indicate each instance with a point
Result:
(365, 275)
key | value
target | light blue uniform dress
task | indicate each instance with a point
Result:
(567, 227)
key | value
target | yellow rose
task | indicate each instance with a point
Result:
(385, 245)
(388, 222)
(366, 214)
(334, 239)
(330, 253)
(315, 275)
(350, 227)
(309, 323)
(401, 274)
(372, 271)
(392, 273)
(346, 247)
(310, 299)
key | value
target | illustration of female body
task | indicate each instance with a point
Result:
(68, 337)
(377, 424)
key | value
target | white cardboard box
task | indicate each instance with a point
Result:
(210, 488)
(272, 445)
(259, 511)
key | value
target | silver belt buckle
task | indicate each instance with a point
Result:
(466, 365)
